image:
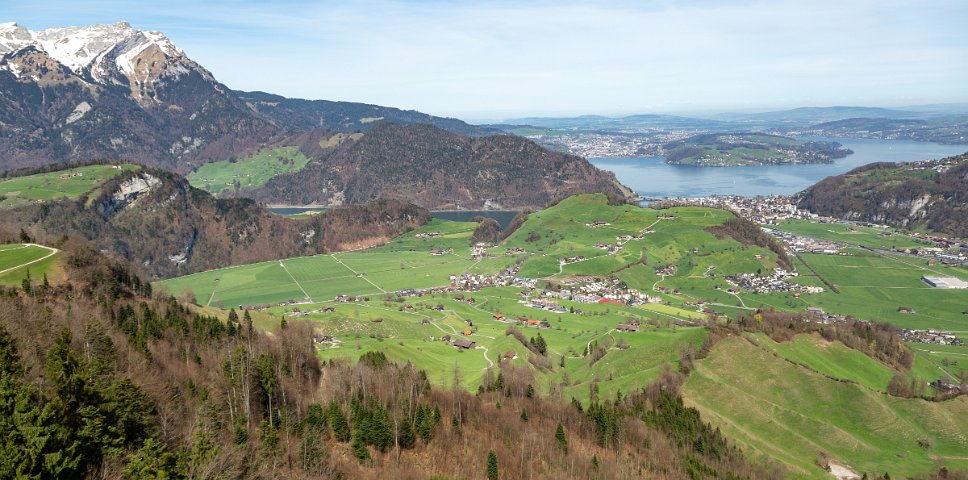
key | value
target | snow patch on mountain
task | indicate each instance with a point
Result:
(79, 47)
(90, 48)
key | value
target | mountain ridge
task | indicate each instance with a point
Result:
(929, 194)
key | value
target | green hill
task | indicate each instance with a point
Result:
(68, 184)
(737, 149)
(248, 172)
(791, 413)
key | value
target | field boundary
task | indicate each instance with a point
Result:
(53, 251)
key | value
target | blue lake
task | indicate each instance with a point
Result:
(652, 177)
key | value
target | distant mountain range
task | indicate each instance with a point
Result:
(112, 92)
(782, 121)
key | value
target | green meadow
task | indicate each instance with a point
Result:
(405, 262)
(790, 413)
(70, 183)
(248, 172)
(16, 260)
(874, 287)
(885, 239)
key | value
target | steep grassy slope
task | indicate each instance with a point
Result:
(792, 414)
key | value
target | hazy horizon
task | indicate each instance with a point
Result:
(498, 60)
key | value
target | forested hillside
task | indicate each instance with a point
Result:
(437, 169)
(931, 194)
(296, 114)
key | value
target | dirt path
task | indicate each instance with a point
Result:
(53, 251)
(741, 302)
(283, 265)
(357, 274)
(490, 364)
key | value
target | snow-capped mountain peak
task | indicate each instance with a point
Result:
(78, 47)
(108, 54)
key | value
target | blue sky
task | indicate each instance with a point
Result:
(498, 59)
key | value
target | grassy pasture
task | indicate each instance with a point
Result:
(830, 358)
(791, 414)
(17, 255)
(884, 239)
(251, 171)
(403, 263)
(70, 183)
(874, 287)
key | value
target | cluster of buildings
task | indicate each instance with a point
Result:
(632, 325)
(544, 304)
(608, 247)
(479, 250)
(429, 235)
(774, 282)
(936, 337)
(601, 291)
(597, 145)
(799, 244)
(765, 210)
(522, 321)
(473, 282)
(576, 259)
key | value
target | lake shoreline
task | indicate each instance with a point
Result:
(652, 177)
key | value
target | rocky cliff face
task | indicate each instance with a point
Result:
(932, 194)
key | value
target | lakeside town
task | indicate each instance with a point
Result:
(773, 210)
(621, 144)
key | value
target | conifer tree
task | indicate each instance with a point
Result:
(359, 447)
(561, 438)
(337, 421)
(492, 472)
